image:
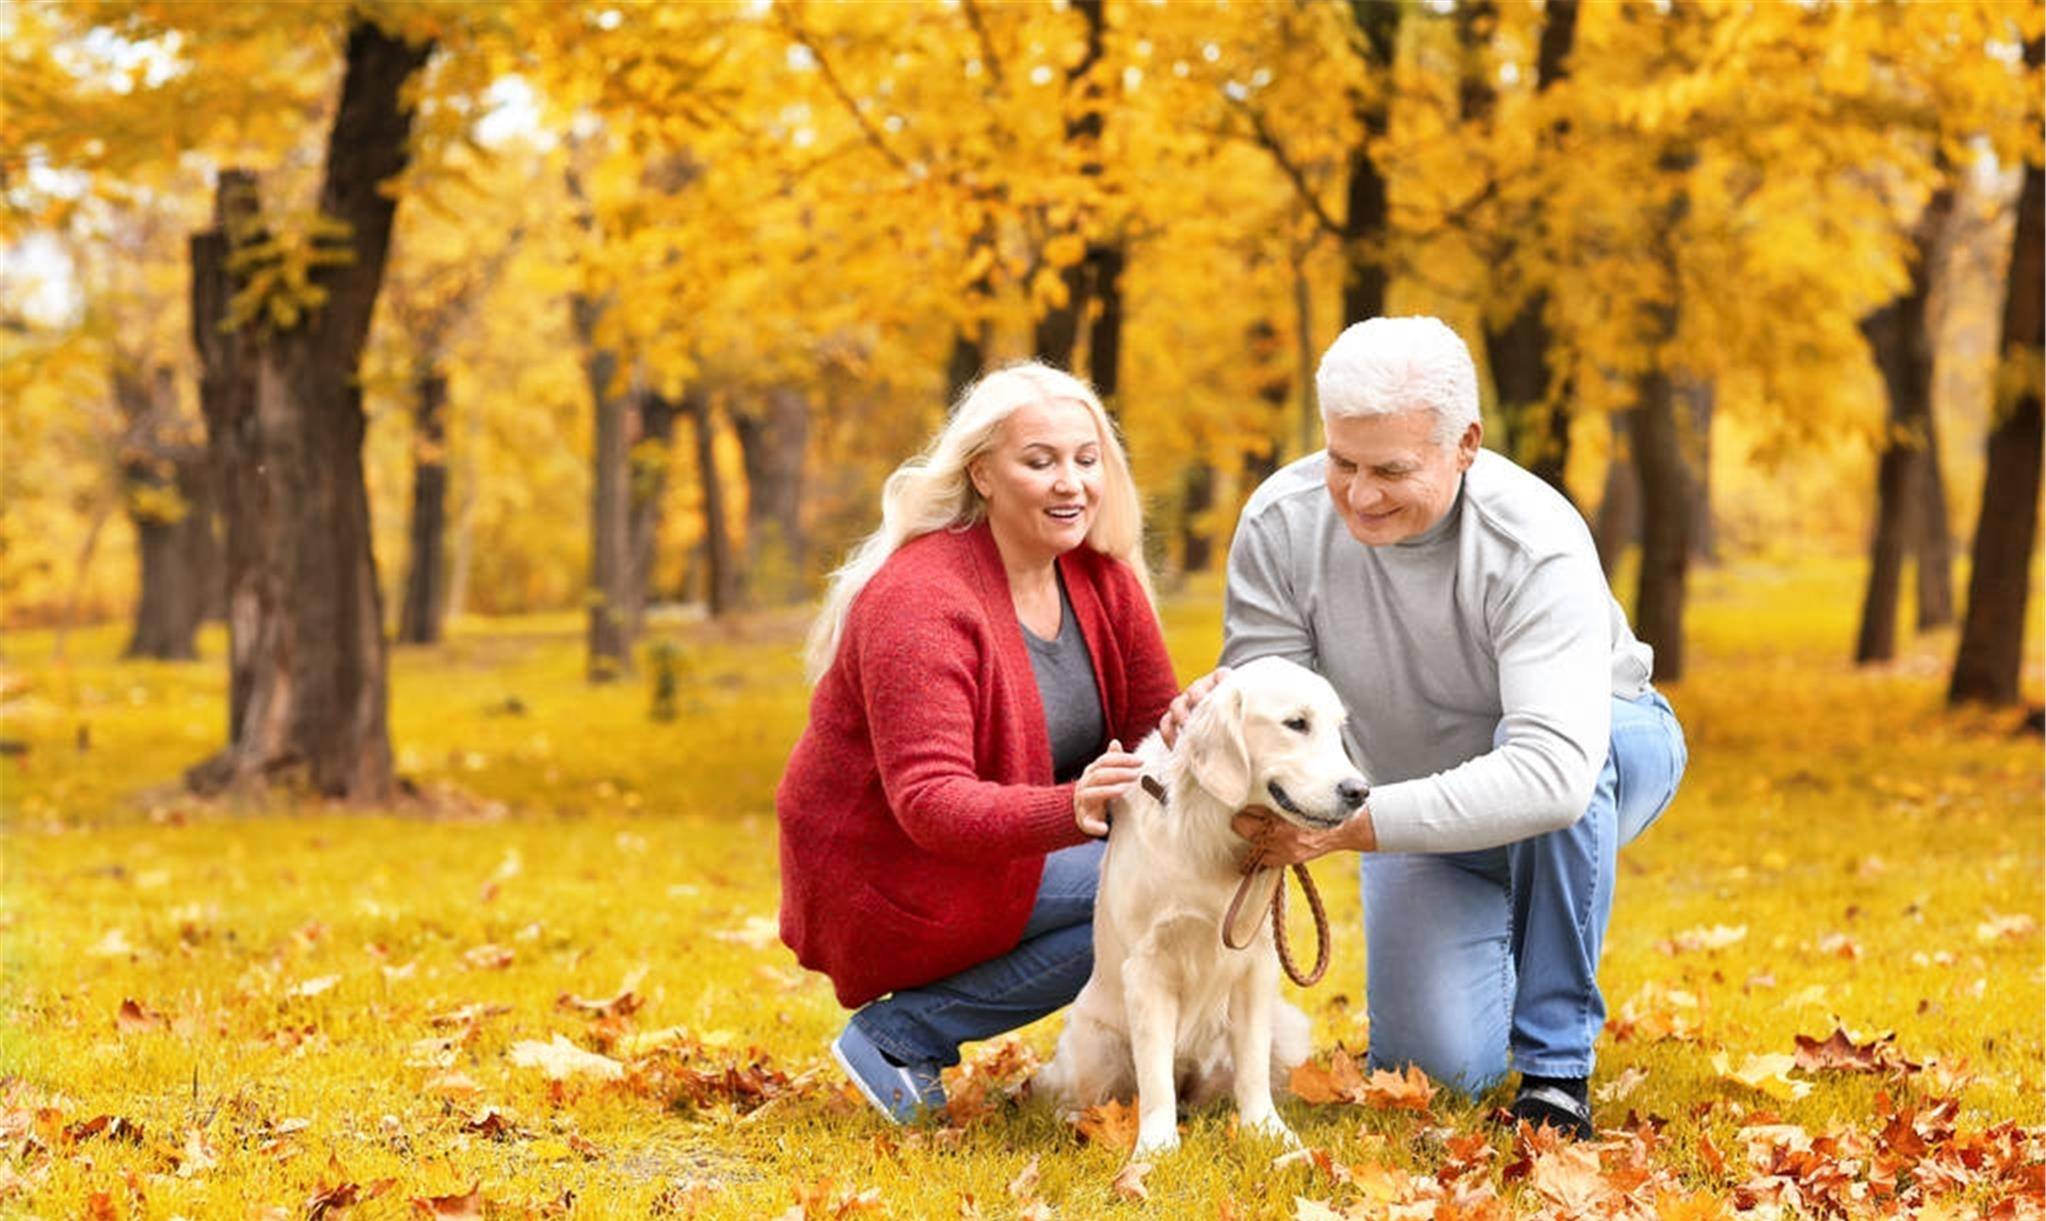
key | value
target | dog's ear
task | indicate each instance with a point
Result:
(1216, 750)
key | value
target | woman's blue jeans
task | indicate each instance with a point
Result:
(1041, 975)
(1477, 961)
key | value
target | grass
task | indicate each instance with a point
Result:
(325, 1001)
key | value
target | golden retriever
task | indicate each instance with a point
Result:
(1170, 1009)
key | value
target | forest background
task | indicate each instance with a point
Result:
(382, 331)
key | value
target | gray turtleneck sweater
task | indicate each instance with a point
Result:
(1495, 621)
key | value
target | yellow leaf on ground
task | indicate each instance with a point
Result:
(561, 1059)
(1769, 1074)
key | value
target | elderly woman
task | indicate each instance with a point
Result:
(978, 662)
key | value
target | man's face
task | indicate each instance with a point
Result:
(1389, 478)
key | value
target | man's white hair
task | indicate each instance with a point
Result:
(1384, 366)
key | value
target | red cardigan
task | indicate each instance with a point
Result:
(918, 806)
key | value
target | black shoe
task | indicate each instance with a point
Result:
(1556, 1102)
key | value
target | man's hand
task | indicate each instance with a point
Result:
(1183, 704)
(1276, 843)
(1105, 779)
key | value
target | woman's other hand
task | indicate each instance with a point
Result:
(1105, 779)
(1183, 704)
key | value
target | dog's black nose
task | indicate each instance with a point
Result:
(1352, 795)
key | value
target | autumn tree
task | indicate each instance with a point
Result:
(285, 424)
(1990, 660)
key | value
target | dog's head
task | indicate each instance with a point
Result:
(1271, 735)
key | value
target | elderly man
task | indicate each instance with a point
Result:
(1498, 701)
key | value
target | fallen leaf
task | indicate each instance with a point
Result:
(1112, 1125)
(196, 1157)
(1129, 1183)
(1626, 1083)
(1024, 1185)
(633, 1046)
(758, 932)
(1342, 1081)
(135, 1018)
(1714, 937)
(113, 945)
(561, 1059)
(313, 986)
(1769, 1074)
(451, 1085)
(1838, 1051)
(1999, 928)
(467, 1207)
(1839, 945)
(488, 957)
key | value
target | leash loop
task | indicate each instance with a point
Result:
(1279, 938)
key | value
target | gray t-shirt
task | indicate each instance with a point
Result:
(1495, 621)
(1072, 700)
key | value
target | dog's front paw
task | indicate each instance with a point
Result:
(1155, 1136)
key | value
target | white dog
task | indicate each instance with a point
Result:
(1169, 1008)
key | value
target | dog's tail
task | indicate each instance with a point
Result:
(1292, 1042)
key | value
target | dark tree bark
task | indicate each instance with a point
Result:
(1900, 340)
(720, 570)
(1094, 284)
(1619, 510)
(1536, 421)
(608, 635)
(1992, 649)
(425, 604)
(649, 490)
(772, 444)
(1104, 332)
(1197, 497)
(169, 485)
(307, 653)
(1666, 499)
(1366, 218)
(963, 365)
(1933, 540)
(1660, 458)
(1699, 397)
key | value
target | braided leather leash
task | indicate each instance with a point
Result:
(1285, 948)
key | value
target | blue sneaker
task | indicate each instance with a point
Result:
(902, 1092)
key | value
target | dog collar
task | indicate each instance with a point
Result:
(1155, 789)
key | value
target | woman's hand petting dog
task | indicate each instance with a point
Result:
(1182, 706)
(1105, 779)
(1276, 843)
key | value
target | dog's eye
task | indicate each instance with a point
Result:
(1297, 724)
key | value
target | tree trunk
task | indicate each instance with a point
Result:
(1991, 655)
(772, 445)
(963, 365)
(1365, 220)
(609, 638)
(1666, 500)
(171, 505)
(1900, 340)
(721, 577)
(1536, 420)
(419, 617)
(307, 653)
(1933, 540)
(1104, 332)
(1700, 397)
(649, 491)
(1619, 510)
(1057, 332)
(1197, 497)
(1309, 439)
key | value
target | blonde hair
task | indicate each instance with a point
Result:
(933, 491)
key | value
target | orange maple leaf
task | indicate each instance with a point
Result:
(1409, 1090)
(1112, 1125)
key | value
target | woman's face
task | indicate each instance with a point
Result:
(1041, 480)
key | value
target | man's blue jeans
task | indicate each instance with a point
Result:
(1041, 975)
(1473, 957)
